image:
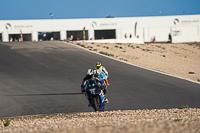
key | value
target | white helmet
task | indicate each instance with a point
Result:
(89, 72)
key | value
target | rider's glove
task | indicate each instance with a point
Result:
(82, 87)
(107, 76)
(102, 81)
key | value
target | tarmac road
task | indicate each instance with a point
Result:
(45, 78)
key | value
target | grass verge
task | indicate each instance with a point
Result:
(7, 122)
(105, 53)
(184, 107)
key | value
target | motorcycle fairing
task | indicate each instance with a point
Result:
(102, 99)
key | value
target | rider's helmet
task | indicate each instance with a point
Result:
(89, 73)
(98, 65)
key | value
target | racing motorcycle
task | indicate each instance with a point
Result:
(95, 95)
(104, 77)
(94, 92)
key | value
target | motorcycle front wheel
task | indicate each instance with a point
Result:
(96, 103)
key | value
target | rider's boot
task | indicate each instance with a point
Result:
(106, 99)
(82, 90)
(89, 105)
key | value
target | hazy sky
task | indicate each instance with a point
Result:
(63, 9)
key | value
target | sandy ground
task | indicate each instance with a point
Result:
(181, 60)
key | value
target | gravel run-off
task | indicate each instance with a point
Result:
(127, 121)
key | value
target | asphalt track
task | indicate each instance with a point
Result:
(45, 77)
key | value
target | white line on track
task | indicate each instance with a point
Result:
(134, 65)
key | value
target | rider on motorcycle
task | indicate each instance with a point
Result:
(99, 69)
(90, 75)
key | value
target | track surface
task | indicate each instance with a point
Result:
(45, 78)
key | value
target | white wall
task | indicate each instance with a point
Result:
(160, 26)
(118, 33)
(185, 34)
(5, 37)
(91, 34)
(161, 34)
(34, 36)
(63, 35)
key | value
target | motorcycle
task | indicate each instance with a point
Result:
(104, 77)
(95, 95)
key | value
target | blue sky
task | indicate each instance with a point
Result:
(66, 9)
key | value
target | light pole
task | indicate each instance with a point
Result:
(51, 14)
(160, 12)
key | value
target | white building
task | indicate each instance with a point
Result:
(183, 28)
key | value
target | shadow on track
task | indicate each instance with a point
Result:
(48, 94)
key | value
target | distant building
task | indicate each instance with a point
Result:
(183, 28)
